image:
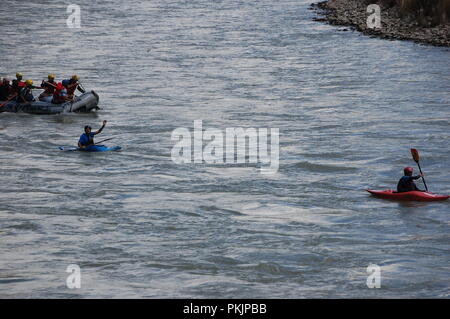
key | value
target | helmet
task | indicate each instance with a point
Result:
(6, 80)
(87, 127)
(19, 75)
(408, 171)
(51, 76)
(75, 77)
(29, 82)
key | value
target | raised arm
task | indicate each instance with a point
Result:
(101, 129)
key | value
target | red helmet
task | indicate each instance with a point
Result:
(408, 170)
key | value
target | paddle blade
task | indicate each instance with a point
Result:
(415, 155)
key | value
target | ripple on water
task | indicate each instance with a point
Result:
(348, 108)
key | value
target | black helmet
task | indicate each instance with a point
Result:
(87, 127)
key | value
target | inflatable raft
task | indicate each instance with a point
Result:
(83, 103)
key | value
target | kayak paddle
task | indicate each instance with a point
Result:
(416, 157)
(101, 141)
(104, 140)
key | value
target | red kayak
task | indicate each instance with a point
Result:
(411, 196)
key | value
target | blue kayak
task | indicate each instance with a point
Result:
(92, 148)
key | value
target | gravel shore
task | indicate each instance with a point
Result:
(393, 25)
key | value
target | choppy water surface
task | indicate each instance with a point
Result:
(348, 108)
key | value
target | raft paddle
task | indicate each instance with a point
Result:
(6, 102)
(416, 157)
(50, 84)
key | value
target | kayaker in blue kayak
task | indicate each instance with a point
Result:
(406, 183)
(87, 138)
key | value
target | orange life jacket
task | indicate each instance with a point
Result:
(57, 98)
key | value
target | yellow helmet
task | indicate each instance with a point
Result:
(29, 82)
(75, 77)
(51, 76)
(19, 75)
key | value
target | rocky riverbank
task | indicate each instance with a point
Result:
(394, 24)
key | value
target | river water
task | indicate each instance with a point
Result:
(348, 109)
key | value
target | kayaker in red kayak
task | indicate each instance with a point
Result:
(406, 183)
(406, 189)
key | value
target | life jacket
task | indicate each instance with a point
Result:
(5, 85)
(49, 87)
(86, 140)
(71, 87)
(58, 94)
(17, 85)
(26, 93)
(58, 89)
(406, 184)
(5, 91)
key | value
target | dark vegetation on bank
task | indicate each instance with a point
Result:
(427, 13)
(424, 21)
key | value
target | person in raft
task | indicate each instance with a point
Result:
(71, 85)
(5, 89)
(60, 94)
(17, 83)
(406, 183)
(26, 93)
(87, 138)
(49, 87)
